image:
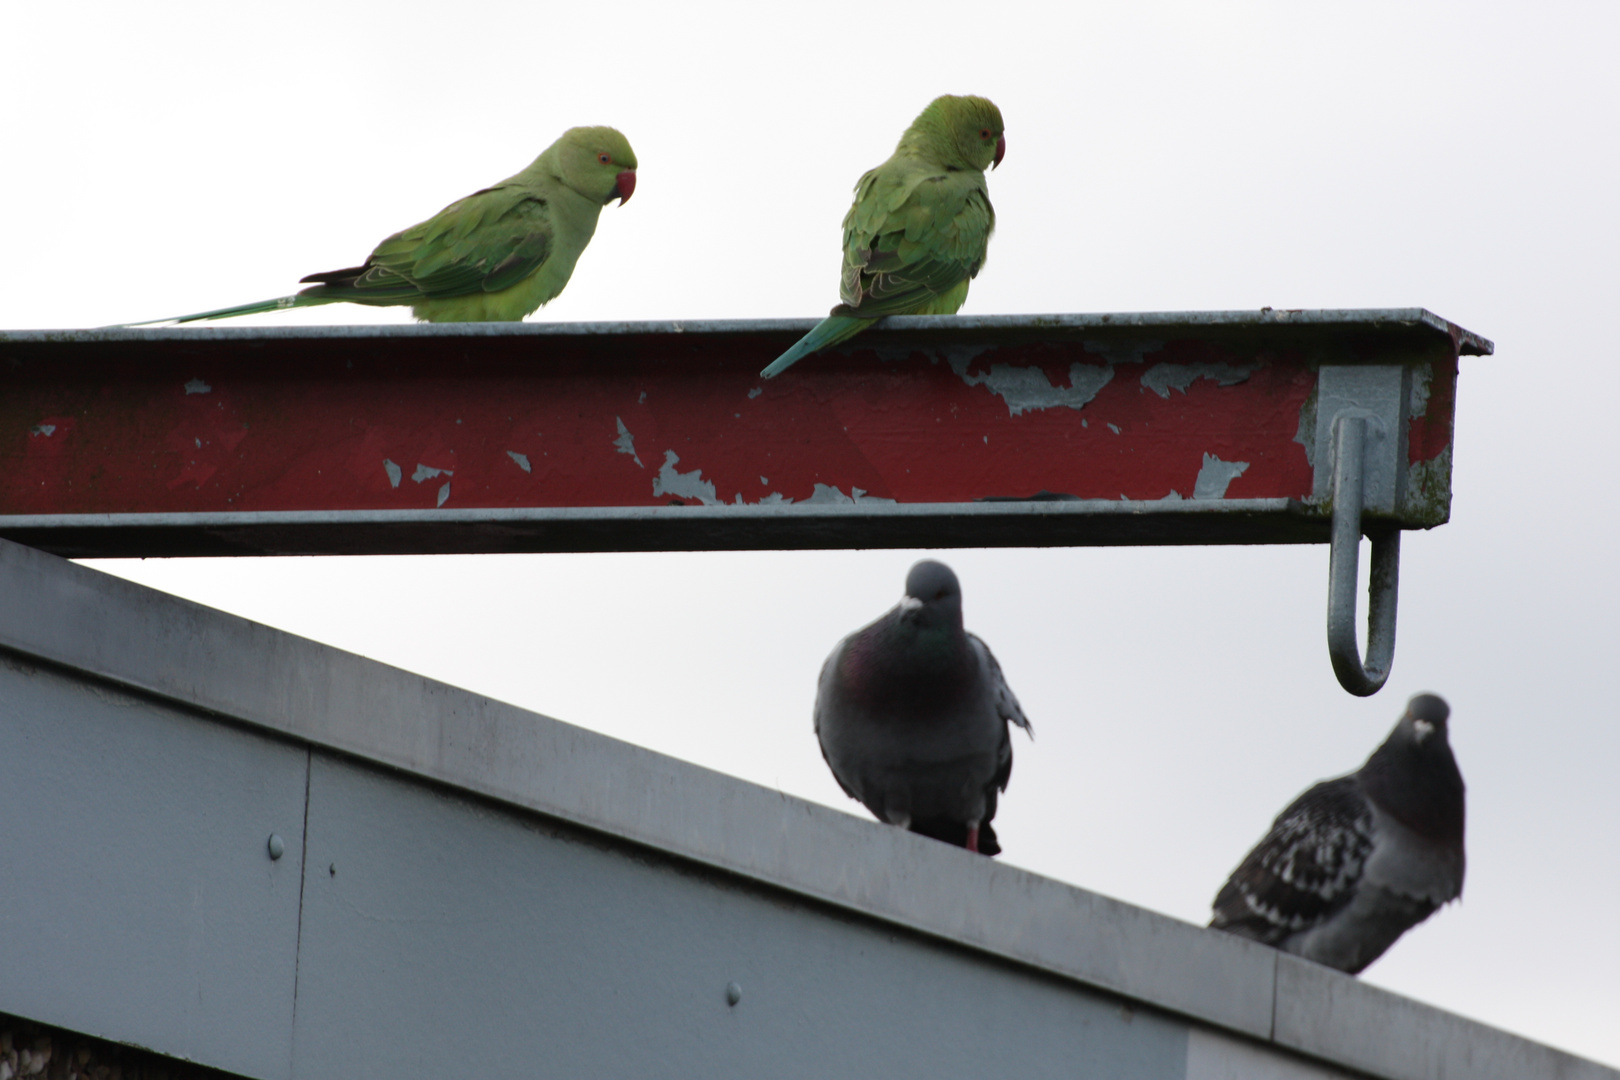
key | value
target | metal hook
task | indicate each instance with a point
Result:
(1349, 444)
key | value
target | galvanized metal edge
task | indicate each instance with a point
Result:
(1044, 521)
(213, 663)
(963, 326)
(1342, 1019)
(1032, 508)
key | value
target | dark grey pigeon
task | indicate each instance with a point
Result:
(1354, 863)
(912, 712)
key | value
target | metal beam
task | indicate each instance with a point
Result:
(1181, 428)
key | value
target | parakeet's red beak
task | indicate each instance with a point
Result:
(1001, 151)
(627, 185)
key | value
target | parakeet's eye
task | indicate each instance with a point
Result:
(984, 133)
(605, 159)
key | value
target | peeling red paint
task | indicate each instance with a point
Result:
(307, 424)
(1430, 433)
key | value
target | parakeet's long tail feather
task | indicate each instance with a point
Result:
(280, 303)
(827, 333)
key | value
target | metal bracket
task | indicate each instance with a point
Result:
(1361, 466)
(1344, 557)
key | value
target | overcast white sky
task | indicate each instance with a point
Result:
(161, 158)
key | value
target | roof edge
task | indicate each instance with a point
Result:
(153, 643)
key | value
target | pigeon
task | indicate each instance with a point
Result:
(1355, 862)
(912, 712)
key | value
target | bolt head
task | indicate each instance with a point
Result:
(733, 993)
(276, 846)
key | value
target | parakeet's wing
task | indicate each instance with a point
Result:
(1305, 869)
(489, 241)
(912, 234)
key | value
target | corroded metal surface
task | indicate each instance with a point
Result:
(584, 437)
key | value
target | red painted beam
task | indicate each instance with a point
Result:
(548, 437)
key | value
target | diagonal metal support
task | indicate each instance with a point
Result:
(1344, 557)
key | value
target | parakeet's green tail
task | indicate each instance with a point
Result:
(827, 333)
(281, 303)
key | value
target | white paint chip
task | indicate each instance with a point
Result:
(1165, 378)
(1026, 388)
(827, 493)
(1215, 475)
(428, 472)
(48, 430)
(197, 386)
(626, 442)
(444, 493)
(755, 392)
(521, 459)
(1162, 378)
(395, 473)
(689, 485)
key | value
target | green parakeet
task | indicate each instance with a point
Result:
(920, 225)
(496, 255)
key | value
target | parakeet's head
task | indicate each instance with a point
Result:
(961, 132)
(598, 163)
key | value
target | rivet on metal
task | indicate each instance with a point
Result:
(733, 993)
(277, 847)
(332, 870)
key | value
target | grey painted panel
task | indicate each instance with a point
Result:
(338, 700)
(1211, 1056)
(120, 633)
(1328, 1014)
(138, 901)
(458, 939)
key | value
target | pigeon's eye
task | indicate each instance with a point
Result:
(606, 159)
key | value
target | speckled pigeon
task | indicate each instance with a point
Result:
(1355, 862)
(912, 713)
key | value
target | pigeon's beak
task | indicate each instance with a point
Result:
(909, 604)
(626, 183)
(1001, 152)
(1422, 729)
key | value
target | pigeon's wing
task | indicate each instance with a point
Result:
(1306, 868)
(824, 702)
(1006, 701)
(1008, 709)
